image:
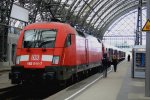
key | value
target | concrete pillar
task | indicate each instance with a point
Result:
(147, 72)
(9, 49)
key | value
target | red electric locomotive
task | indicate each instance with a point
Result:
(54, 51)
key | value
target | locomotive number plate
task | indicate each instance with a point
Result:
(34, 63)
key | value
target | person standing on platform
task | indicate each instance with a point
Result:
(115, 62)
(105, 64)
(128, 58)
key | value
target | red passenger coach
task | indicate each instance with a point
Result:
(113, 51)
(54, 51)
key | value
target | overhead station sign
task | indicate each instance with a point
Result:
(19, 13)
(146, 26)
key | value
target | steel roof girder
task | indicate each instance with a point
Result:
(100, 23)
(77, 4)
(106, 10)
(93, 5)
(76, 19)
(123, 7)
(56, 8)
(118, 11)
(104, 28)
(87, 16)
(96, 13)
(88, 13)
(69, 11)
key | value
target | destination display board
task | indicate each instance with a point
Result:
(140, 60)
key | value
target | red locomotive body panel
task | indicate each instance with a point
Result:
(80, 50)
(95, 50)
(38, 52)
(56, 48)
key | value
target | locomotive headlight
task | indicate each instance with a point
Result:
(55, 59)
(22, 58)
(18, 59)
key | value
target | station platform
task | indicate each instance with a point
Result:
(117, 86)
(4, 68)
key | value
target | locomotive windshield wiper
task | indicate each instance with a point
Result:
(44, 43)
(32, 42)
(38, 39)
(41, 40)
(28, 43)
(47, 38)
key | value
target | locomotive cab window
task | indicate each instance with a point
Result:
(39, 38)
(68, 40)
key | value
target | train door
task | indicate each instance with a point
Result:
(69, 49)
(87, 51)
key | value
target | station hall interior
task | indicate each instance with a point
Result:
(121, 26)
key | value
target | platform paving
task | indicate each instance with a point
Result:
(4, 68)
(117, 86)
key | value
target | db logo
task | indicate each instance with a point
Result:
(35, 57)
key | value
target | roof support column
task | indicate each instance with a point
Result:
(138, 40)
(147, 72)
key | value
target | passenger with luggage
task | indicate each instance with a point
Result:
(115, 62)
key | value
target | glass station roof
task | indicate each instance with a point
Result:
(95, 16)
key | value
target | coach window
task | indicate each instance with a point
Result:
(68, 40)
